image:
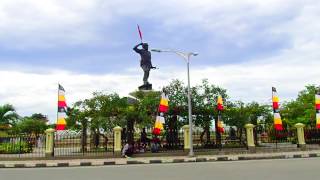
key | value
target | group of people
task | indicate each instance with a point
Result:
(141, 145)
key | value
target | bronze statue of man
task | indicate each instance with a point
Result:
(145, 62)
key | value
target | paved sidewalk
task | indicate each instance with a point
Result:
(155, 160)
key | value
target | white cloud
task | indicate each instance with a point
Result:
(47, 23)
(37, 93)
(52, 23)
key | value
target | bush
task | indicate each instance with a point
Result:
(15, 148)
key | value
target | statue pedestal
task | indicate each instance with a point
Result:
(145, 87)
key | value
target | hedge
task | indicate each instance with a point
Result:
(15, 148)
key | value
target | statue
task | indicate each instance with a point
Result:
(145, 64)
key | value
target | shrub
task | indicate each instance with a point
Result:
(15, 148)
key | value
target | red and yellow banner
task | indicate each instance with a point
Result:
(220, 127)
(62, 108)
(219, 103)
(277, 122)
(164, 103)
(158, 125)
(220, 108)
(317, 104)
(163, 108)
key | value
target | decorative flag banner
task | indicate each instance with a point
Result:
(158, 125)
(140, 33)
(277, 122)
(220, 108)
(220, 126)
(163, 107)
(220, 103)
(317, 104)
(62, 107)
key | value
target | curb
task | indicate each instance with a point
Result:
(36, 164)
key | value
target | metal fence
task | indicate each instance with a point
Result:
(286, 140)
(312, 138)
(76, 144)
(71, 144)
(22, 146)
(272, 140)
(173, 142)
(166, 142)
(229, 141)
(312, 135)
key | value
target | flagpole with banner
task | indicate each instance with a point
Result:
(160, 120)
(317, 104)
(62, 109)
(277, 122)
(276, 111)
(218, 121)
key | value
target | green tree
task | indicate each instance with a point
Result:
(101, 112)
(204, 97)
(238, 114)
(74, 117)
(30, 125)
(302, 109)
(35, 124)
(144, 109)
(204, 105)
(8, 116)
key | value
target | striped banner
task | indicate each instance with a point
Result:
(163, 108)
(317, 106)
(220, 108)
(219, 103)
(158, 125)
(62, 109)
(164, 103)
(277, 122)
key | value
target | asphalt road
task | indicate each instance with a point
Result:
(292, 169)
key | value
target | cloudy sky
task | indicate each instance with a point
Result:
(244, 46)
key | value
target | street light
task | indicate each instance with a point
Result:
(186, 56)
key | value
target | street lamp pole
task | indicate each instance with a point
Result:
(186, 57)
(191, 153)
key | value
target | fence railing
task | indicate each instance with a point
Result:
(272, 140)
(167, 141)
(22, 146)
(312, 136)
(78, 144)
(229, 140)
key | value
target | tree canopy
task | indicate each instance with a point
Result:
(103, 111)
(8, 116)
(302, 109)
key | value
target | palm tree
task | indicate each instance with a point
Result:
(8, 115)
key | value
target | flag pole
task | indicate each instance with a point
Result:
(140, 34)
(218, 130)
(275, 133)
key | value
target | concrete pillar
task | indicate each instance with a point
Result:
(300, 134)
(186, 135)
(117, 140)
(250, 136)
(49, 142)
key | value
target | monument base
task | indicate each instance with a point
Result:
(145, 87)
